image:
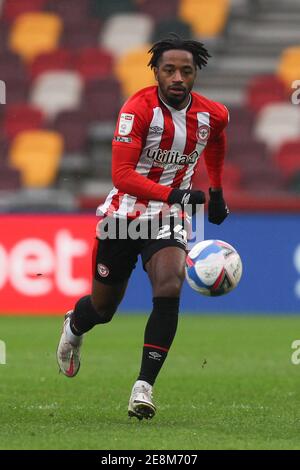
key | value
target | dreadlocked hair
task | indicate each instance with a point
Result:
(197, 49)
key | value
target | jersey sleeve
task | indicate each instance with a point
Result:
(128, 180)
(132, 127)
(129, 139)
(215, 150)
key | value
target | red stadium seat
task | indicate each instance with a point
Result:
(240, 125)
(231, 177)
(288, 158)
(10, 178)
(21, 117)
(248, 151)
(60, 59)
(159, 10)
(263, 90)
(87, 35)
(14, 8)
(72, 125)
(102, 100)
(93, 63)
(14, 73)
(262, 177)
(4, 29)
(71, 11)
(11, 67)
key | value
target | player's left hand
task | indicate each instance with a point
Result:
(217, 208)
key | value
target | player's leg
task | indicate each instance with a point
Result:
(166, 272)
(91, 310)
(113, 261)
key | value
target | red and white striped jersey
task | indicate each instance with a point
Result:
(157, 148)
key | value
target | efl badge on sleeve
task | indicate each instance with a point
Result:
(125, 124)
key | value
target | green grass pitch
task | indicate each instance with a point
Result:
(228, 383)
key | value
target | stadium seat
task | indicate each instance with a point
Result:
(261, 177)
(207, 17)
(102, 100)
(132, 71)
(21, 117)
(240, 125)
(289, 65)
(14, 8)
(72, 125)
(11, 67)
(175, 25)
(126, 31)
(263, 90)
(288, 158)
(92, 63)
(86, 36)
(14, 73)
(72, 12)
(54, 92)
(4, 142)
(10, 178)
(231, 177)
(4, 32)
(276, 123)
(242, 152)
(37, 155)
(35, 33)
(159, 10)
(104, 8)
(59, 59)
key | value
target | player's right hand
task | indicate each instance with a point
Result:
(186, 197)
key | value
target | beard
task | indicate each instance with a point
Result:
(176, 100)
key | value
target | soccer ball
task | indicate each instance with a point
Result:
(213, 268)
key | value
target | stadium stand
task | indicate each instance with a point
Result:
(207, 17)
(21, 117)
(93, 63)
(158, 10)
(34, 33)
(13, 8)
(70, 65)
(175, 25)
(289, 65)
(104, 9)
(126, 31)
(277, 123)
(37, 154)
(59, 59)
(288, 159)
(132, 71)
(83, 36)
(265, 89)
(54, 92)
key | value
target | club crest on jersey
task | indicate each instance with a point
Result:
(203, 133)
(125, 123)
(165, 157)
(103, 270)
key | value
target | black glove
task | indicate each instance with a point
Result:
(186, 197)
(217, 208)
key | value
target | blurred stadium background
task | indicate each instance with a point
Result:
(67, 66)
